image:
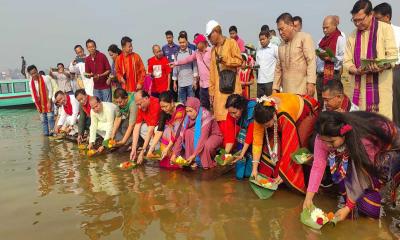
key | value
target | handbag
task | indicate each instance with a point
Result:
(227, 78)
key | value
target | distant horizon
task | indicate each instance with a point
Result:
(46, 36)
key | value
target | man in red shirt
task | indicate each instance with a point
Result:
(129, 67)
(98, 68)
(160, 71)
(147, 119)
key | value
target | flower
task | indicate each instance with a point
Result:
(267, 101)
(318, 213)
(330, 216)
(320, 221)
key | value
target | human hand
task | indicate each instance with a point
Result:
(79, 139)
(139, 86)
(175, 86)
(254, 173)
(140, 158)
(90, 146)
(100, 149)
(342, 213)
(191, 158)
(132, 156)
(310, 89)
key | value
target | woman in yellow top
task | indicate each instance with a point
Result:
(283, 124)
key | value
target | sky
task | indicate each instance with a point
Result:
(45, 31)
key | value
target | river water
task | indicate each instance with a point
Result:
(49, 191)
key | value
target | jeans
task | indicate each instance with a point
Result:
(47, 120)
(205, 98)
(184, 93)
(103, 94)
(264, 89)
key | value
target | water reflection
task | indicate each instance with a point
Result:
(93, 198)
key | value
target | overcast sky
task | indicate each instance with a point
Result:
(45, 31)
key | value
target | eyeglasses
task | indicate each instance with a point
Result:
(328, 99)
(358, 21)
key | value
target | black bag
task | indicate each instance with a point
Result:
(227, 78)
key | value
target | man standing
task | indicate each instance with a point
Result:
(372, 85)
(63, 79)
(335, 99)
(266, 58)
(202, 57)
(233, 32)
(184, 76)
(225, 55)
(329, 68)
(69, 110)
(383, 12)
(170, 49)
(190, 46)
(129, 67)
(98, 68)
(126, 117)
(102, 116)
(296, 67)
(77, 66)
(84, 113)
(297, 23)
(146, 121)
(42, 92)
(160, 71)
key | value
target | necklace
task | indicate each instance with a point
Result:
(273, 152)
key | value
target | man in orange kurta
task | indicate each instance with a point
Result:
(129, 67)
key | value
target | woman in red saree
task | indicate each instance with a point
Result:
(283, 124)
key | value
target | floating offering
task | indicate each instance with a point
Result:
(181, 161)
(127, 165)
(156, 155)
(265, 182)
(81, 146)
(378, 62)
(110, 143)
(302, 156)
(225, 158)
(316, 218)
(91, 152)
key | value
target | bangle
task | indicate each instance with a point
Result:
(254, 161)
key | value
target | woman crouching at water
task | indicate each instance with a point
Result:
(169, 127)
(240, 121)
(286, 122)
(360, 150)
(200, 136)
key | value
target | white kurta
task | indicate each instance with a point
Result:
(102, 123)
(66, 120)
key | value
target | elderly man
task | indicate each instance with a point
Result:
(102, 116)
(84, 113)
(383, 12)
(160, 71)
(295, 70)
(371, 84)
(77, 66)
(146, 121)
(126, 117)
(335, 99)
(329, 67)
(68, 112)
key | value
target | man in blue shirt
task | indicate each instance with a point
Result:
(170, 49)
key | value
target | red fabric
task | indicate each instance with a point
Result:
(87, 107)
(131, 69)
(98, 65)
(151, 116)
(229, 129)
(41, 100)
(249, 134)
(159, 84)
(68, 106)
(329, 42)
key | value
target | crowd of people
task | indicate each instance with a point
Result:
(194, 99)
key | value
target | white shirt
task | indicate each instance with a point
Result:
(396, 31)
(267, 58)
(340, 48)
(102, 121)
(69, 120)
(49, 88)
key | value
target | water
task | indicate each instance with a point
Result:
(49, 191)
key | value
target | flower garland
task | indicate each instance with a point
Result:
(273, 152)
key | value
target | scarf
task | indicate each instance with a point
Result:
(338, 160)
(372, 90)
(130, 73)
(346, 104)
(86, 108)
(41, 99)
(329, 42)
(131, 98)
(68, 106)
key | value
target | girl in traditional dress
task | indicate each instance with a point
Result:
(169, 127)
(240, 137)
(246, 75)
(361, 150)
(283, 124)
(200, 136)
